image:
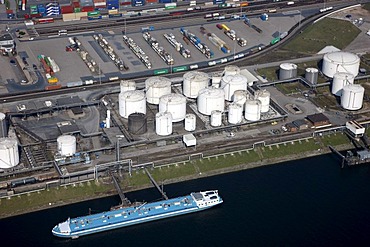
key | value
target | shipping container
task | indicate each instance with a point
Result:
(152, 1)
(160, 71)
(164, 1)
(113, 12)
(93, 13)
(66, 9)
(180, 68)
(170, 5)
(45, 20)
(87, 8)
(115, 15)
(137, 3)
(91, 18)
(216, 2)
(53, 87)
(76, 5)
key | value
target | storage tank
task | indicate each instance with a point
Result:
(190, 122)
(163, 123)
(216, 118)
(252, 110)
(340, 61)
(9, 156)
(211, 99)
(3, 125)
(235, 114)
(240, 97)
(194, 81)
(175, 104)
(127, 85)
(311, 75)
(66, 145)
(264, 97)
(216, 79)
(340, 80)
(156, 87)
(131, 102)
(231, 70)
(352, 97)
(137, 123)
(231, 83)
(287, 71)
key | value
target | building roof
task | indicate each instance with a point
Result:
(6, 37)
(299, 122)
(318, 117)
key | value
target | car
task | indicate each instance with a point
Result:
(31, 38)
(34, 66)
(349, 16)
(12, 62)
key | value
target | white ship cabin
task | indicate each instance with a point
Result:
(206, 198)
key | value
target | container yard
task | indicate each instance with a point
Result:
(203, 48)
(177, 45)
(162, 53)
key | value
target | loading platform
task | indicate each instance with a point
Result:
(124, 200)
(156, 185)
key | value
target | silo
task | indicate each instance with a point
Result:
(231, 83)
(127, 85)
(311, 75)
(131, 102)
(216, 118)
(3, 125)
(190, 122)
(231, 70)
(240, 97)
(9, 156)
(352, 97)
(163, 123)
(264, 97)
(252, 110)
(235, 113)
(66, 145)
(174, 104)
(137, 123)
(193, 82)
(156, 87)
(340, 61)
(287, 71)
(211, 99)
(340, 80)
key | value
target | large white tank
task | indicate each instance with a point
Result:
(287, 70)
(231, 70)
(341, 79)
(127, 85)
(235, 114)
(175, 104)
(194, 81)
(66, 145)
(352, 97)
(163, 123)
(312, 75)
(190, 122)
(3, 125)
(264, 97)
(131, 102)
(252, 110)
(211, 99)
(240, 97)
(231, 83)
(340, 61)
(156, 87)
(9, 156)
(216, 118)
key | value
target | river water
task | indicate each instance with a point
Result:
(309, 202)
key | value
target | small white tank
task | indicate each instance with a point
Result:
(352, 97)
(287, 70)
(163, 123)
(127, 85)
(3, 125)
(174, 104)
(131, 102)
(235, 114)
(264, 97)
(231, 70)
(341, 79)
(231, 83)
(156, 87)
(216, 118)
(66, 145)
(211, 99)
(312, 75)
(9, 156)
(193, 82)
(240, 97)
(190, 122)
(252, 110)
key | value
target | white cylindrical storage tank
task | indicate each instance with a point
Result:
(264, 97)
(311, 75)
(3, 125)
(131, 102)
(193, 82)
(240, 97)
(190, 122)
(156, 87)
(252, 110)
(287, 70)
(340, 61)
(66, 145)
(216, 79)
(216, 118)
(127, 85)
(9, 156)
(231, 83)
(231, 70)
(235, 114)
(352, 97)
(211, 99)
(340, 80)
(163, 123)
(175, 104)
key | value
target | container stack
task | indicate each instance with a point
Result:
(41, 9)
(52, 9)
(100, 4)
(112, 4)
(137, 3)
(124, 2)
